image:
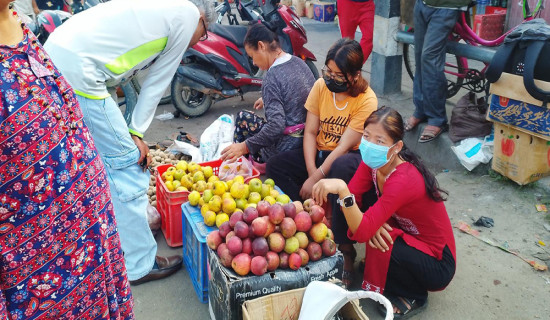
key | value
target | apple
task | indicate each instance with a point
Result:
(308, 204)
(255, 185)
(262, 207)
(266, 190)
(207, 195)
(241, 264)
(270, 182)
(249, 214)
(276, 213)
(290, 210)
(254, 197)
(317, 213)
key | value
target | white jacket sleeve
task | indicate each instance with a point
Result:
(162, 71)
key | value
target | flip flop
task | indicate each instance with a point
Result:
(431, 132)
(412, 122)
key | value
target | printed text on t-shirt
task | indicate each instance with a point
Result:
(333, 129)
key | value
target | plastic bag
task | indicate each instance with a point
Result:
(473, 151)
(153, 218)
(230, 169)
(185, 148)
(216, 137)
(322, 300)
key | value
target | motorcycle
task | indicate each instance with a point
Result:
(247, 11)
(219, 68)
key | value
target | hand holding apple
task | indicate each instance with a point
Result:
(325, 186)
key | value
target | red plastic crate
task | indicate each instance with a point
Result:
(169, 203)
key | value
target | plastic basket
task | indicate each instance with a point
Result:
(169, 203)
(194, 249)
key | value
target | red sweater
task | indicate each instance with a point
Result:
(422, 222)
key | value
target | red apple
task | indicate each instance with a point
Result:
(317, 213)
(276, 213)
(213, 239)
(241, 264)
(272, 261)
(258, 265)
(294, 261)
(262, 207)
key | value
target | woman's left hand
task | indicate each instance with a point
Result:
(325, 186)
(234, 151)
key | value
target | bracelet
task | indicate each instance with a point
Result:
(321, 168)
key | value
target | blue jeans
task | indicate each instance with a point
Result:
(127, 181)
(432, 26)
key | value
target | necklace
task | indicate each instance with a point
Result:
(67, 120)
(334, 100)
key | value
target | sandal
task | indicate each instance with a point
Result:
(431, 132)
(412, 122)
(406, 308)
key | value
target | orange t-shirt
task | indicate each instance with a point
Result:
(336, 117)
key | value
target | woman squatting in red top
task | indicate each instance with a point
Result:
(411, 247)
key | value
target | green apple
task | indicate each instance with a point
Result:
(270, 182)
(254, 197)
(255, 185)
(179, 174)
(266, 190)
(207, 195)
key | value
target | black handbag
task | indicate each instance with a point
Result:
(468, 118)
(526, 51)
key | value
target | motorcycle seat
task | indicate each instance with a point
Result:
(234, 34)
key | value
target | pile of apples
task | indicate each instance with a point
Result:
(225, 198)
(271, 236)
(190, 176)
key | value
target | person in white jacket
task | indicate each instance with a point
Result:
(101, 48)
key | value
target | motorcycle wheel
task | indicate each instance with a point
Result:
(313, 68)
(190, 102)
(166, 98)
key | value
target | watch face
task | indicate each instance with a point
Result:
(348, 201)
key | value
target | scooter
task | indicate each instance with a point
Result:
(247, 10)
(219, 68)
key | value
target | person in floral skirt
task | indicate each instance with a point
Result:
(59, 246)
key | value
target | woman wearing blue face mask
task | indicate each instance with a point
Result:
(411, 247)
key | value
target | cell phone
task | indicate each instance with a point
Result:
(143, 164)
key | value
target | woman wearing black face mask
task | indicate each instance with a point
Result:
(337, 107)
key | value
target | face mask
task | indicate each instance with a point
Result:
(336, 88)
(373, 155)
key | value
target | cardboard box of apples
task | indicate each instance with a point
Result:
(269, 236)
(267, 249)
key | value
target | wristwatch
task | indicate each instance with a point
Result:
(347, 201)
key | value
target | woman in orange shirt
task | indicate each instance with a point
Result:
(337, 108)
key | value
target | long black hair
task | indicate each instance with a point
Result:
(392, 122)
(259, 32)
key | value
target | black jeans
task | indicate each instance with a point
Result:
(412, 273)
(288, 169)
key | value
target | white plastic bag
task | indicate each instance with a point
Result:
(322, 300)
(473, 151)
(185, 148)
(216, 137)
